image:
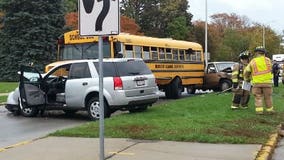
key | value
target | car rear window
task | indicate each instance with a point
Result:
(129, 68)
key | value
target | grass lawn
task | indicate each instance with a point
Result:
(3, 99)
(202, 118)
(6, 87)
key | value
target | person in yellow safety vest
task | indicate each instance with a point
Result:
(240, 95)
(259, 69)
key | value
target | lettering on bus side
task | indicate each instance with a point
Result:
(178, 66)
(74, 37)
(169, 66)
(159, 66)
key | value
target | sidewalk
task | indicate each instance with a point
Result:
(66, 148)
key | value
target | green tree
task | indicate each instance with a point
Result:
(178, 29)
(29, 34)
(70, 6)
(157, 17)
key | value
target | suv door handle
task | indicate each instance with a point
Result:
(85, 83)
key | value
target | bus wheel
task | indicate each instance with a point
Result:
(176, 88)
(168, 92)
(190, 89)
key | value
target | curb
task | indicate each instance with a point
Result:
(267, 149)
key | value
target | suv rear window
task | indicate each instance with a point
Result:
(128, 68)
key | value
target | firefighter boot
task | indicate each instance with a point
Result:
(259, 110)
(270, 110)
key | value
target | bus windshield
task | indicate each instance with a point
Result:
(83, 51)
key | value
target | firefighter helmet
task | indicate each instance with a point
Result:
(244, 55)
(260, 49)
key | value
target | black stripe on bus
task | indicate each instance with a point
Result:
(185, 77)
(173, 62)
(177, 71)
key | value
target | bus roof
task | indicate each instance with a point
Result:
(74, 37)
(156, 42)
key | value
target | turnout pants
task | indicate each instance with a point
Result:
(262, 92)
(240, 98)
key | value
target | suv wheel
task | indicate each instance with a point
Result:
(93, 108)
(225, 84)
(27, 112)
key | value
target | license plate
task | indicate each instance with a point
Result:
(140, 83)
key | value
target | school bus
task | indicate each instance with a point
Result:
(176, 64)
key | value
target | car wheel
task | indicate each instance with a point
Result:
(93, 108)
(176, 88)
(138, 109)
(225, 84)
(190, 89)
(27, 112)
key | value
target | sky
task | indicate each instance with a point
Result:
(266, 12)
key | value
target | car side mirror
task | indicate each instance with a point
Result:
(211, 70)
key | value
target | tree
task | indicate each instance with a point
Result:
(128, 25)
(29, 34)
(178, 29)
(70, 6)
(230, 34)
(157, 17)
(71, 19)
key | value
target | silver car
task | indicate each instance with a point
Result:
(74, 85)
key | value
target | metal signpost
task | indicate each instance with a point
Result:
(100, 18)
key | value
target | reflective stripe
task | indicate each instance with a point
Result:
(259, 71)
(259, 109)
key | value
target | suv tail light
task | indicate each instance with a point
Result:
(117, 83)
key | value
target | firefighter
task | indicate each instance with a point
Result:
(259, 69)
(240, 95)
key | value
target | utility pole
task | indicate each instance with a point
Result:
(205, 54)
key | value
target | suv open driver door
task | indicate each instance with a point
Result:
(30, 93)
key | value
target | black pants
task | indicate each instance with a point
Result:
(275, 80)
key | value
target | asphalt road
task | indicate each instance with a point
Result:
(15, 129)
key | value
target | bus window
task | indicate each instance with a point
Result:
(161, 53)
(117, 50)
(189, 55)
(181, 55)
(90, 51)
(146, 53)
(198, 55)
(193, 57)
(71, 52)
(175, 54)
(169, 54)
(154, 53)
(129, 51)
(138, 52)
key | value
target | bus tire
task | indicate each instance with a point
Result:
(168, 91)
(176, 88)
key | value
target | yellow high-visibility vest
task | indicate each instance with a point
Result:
(260, 68)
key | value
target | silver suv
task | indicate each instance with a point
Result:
(74, 85)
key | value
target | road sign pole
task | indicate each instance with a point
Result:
(101, 99)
